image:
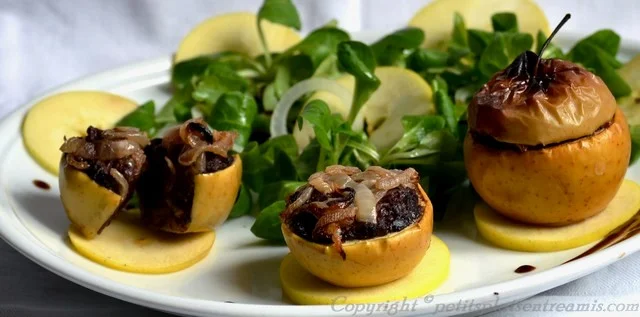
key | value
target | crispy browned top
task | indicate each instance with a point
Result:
(571, 103)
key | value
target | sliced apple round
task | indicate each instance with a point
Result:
(128, 246)
(234, 32)
(69, 114)
(402, 92)
(630, 105)
(436, 18)
(512, 235)
(305, 289)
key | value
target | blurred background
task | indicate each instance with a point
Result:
(46, 43)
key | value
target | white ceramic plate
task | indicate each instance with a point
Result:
(241, 268)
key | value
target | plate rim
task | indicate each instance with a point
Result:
(532, 283)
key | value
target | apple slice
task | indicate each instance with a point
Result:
(436, 18)
(69, 114)
(512, 235)
(234, 32)
(402, 92)
(130, 247)
(630, 105)
(305, 289)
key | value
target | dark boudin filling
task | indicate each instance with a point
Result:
(491, 142)
(114, 158)
(331, 208)
(167, 189)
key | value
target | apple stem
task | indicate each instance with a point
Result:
(546, 43)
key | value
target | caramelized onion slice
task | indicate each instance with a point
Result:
(302, 199)
(195, 132)
(339, 169)
(105, 145)
(197, 139)
(191, 155)
(128, 133)
(123, 185)
(365, 203)
(81, 165)
(334, 216)
(108, 150)
(407, 176)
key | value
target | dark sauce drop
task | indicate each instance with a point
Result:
(525, 269)
(41, 184)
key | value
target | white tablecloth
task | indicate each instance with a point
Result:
(46, 43)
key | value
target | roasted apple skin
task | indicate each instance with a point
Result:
(214, 196)
(368, 262)
(554, 185)
(88, 205)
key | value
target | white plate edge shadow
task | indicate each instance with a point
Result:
(155, 71)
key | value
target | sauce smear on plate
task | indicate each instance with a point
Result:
(41, 184)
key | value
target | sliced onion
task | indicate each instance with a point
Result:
(339, 169)
(379, 195)
(101, 150)
(191, 155)
(131, 134)
(366, 204)
(320, 183)
(302, 199)
(122, 182)
(190, 137)
(405, 177)
(334, 216)
(113, 149)
(81, 165)
(73, 145)
(279, 118)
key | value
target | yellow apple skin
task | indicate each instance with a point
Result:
(128, 246)
(88, 205)
(302, 288)
(555, 185)
(368, 262)
(234, 32)
(214, 197)
(68, 114)
(519, 236)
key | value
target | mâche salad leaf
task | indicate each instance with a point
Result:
(142, 118)
(319, 44)
(337, 141)
(358, 60)
(504, 22)
(393, 48)
(598, 53)
(277, 11)
(218, 78)
(267, 225)
(234, 111)
(277, 191)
